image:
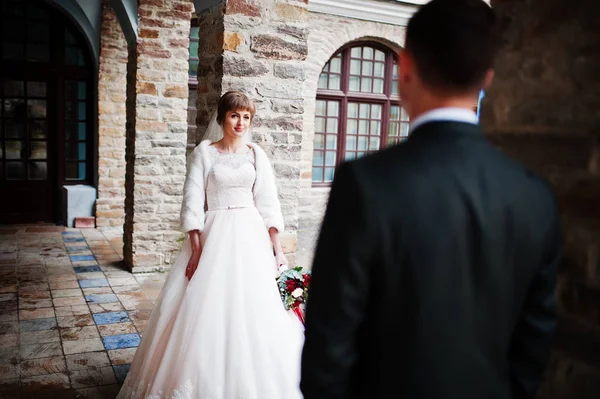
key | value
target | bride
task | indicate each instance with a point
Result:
(219, 329)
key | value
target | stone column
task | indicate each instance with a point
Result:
(543, 110)
(111, 123)
(157, 95)
(260, 47)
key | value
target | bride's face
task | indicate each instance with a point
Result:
(236, 123)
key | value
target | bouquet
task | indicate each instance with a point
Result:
(293, 288)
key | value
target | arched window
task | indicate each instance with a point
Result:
(358, 109)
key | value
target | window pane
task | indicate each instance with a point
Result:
(75, 131)
(38, 170)
(37, 150)
(321, 107)
(82, 151)
(355, 67)
(378, 86)
(75, 90)
(354, 83)
(318, 158)
(319, 143)
(352, 110)
(36, 12)
(350, 156)
(336, 65)
(375, 128)
(317, 174)
(362, 142)
(323, 81)
(15, 149)
(368, 53)
(75, 171)
(394, 112)
(379, 55)
(363, 127)
(331, 142)
(15, 170)
(38, 31)
(194, 32)
(404, 116)
(74, 56)
(376, 111)
(333, 108)
(355, 52)
(82, 169)
(13, 51)
(193, 49)
(36, 89)
(332, 125)
(364, 111)
(75, 110)
(14, 88)
(328, 175)
(320, 124)
(350, 142)
(379, 70)
(334, 82)
(367, 85)
(14, 130)
(37, 130)
(374, 144)
(352, 127)
(193, 68)
(404, 129)
(14, 107)
(367, 68)
(330, 158)
(36, 108)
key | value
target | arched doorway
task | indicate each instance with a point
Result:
(46, 115)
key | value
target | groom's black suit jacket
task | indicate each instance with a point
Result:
(434, 274)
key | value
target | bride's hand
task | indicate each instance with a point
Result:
(192, 265)
(281, 260)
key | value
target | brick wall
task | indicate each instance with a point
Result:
(543, 110)
(111, 124)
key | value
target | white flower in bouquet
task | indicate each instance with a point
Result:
(297, 292)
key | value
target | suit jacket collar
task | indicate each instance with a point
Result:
(444, 115)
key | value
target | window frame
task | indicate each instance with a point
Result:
(193, 80)
(387, 99)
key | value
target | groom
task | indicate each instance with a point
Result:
(435, 270)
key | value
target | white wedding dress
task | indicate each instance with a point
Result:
(224, 334)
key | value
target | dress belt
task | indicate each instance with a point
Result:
(226, 208)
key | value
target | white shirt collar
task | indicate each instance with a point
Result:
(445, 114)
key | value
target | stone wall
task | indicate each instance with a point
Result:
(261, 51)
(156, 133)
(327, 33)
(543, 110)
(111, 124)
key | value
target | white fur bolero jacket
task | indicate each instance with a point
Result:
(199, 164)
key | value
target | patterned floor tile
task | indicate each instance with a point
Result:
(82, 258)
(111, 317)
(37, 324)
(121, 341)
(72, 310)
(35, 351)
(102, 392)
(45, 383)
(8, 340)
(91, 378)
(84, 345)
(117, 329)
(121, 372)
(105, 307)
(66, 293)
(85, 263)
(69, 301)
(135, 304)
(9, 327)
(121, 356)
(88, 360)
(10, 304)
(9, 315)
(91, 283)
(102, 298)
(79, 333)
(8, 371)
(80, 320)
(120, 281)
(87, 269)
(61, 285)
(39, 337)
(97, 290)
(35, 303)
(31, 314)
(140, 314)
(24, 295)
(74, 239)
(49, 365)
(90, 275)
(9, 355)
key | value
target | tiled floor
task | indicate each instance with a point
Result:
(71, 316)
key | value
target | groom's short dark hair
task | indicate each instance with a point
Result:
(453, 43)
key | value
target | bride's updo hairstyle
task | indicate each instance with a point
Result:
(233, 101)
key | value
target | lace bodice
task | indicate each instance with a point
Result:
(230, 180)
